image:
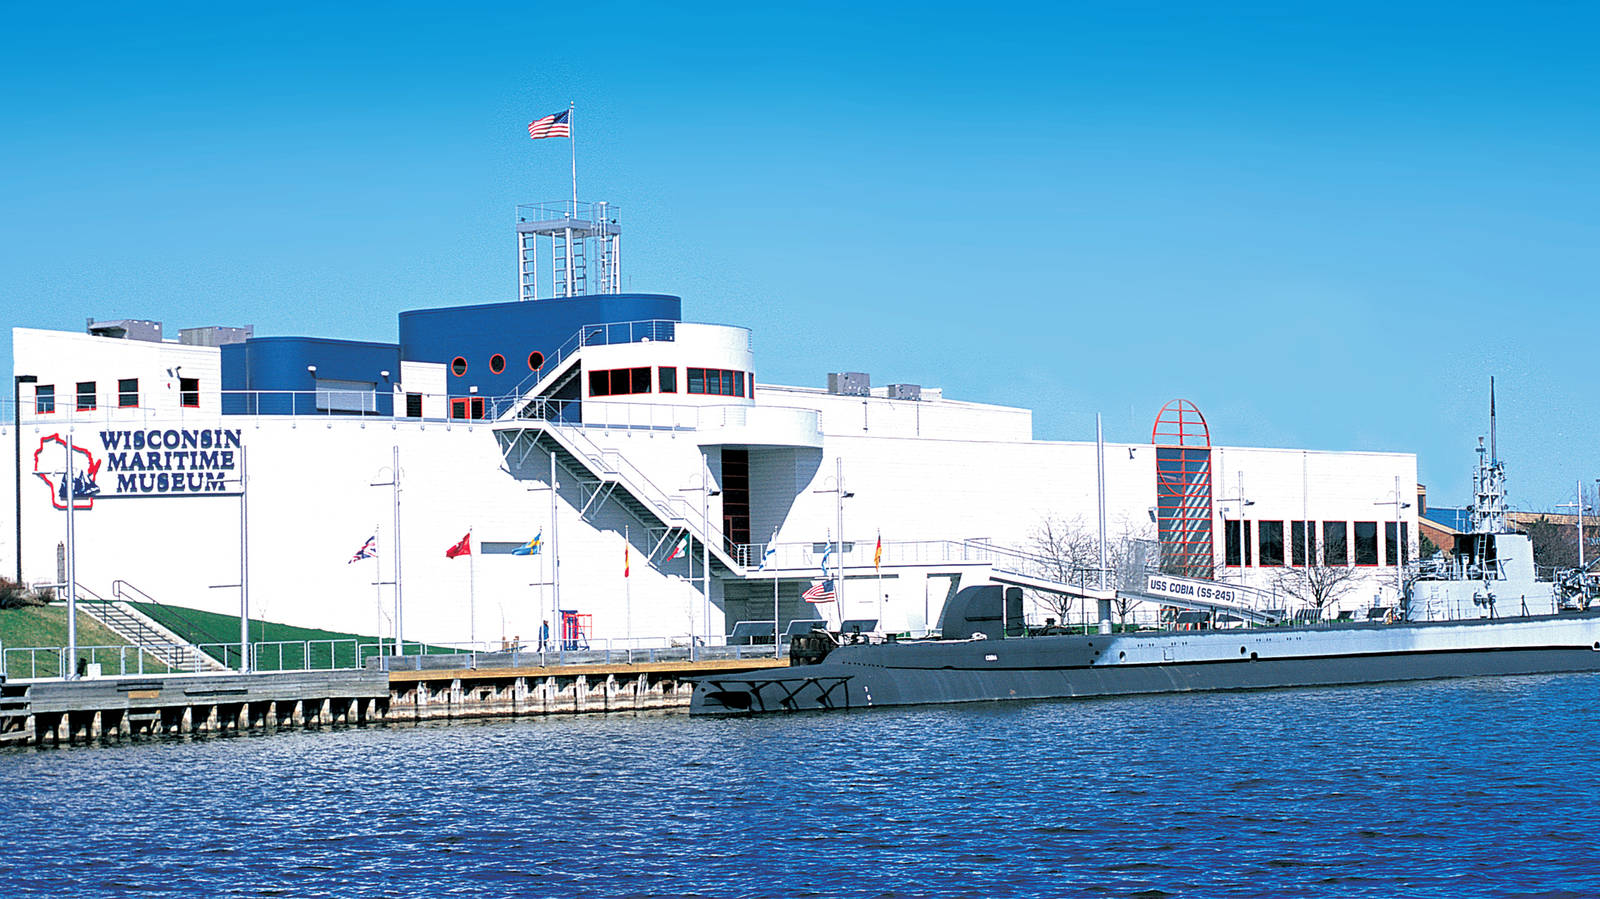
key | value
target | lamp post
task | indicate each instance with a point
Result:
(16, 428)
(839, 496)
(1399, 542)
(706, 493)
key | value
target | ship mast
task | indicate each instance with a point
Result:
(1488, 514)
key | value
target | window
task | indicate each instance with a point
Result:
(1302, 541)
(619, 381)
(1366, 542)
(335, 395)
(466, 407)
(44, 399)
(127, 392)
(458, 366)
(413, 405)
(497, 363)
(1335, 551)
(667, 377)
(1232, 546)
(85, 395)
(535, 360)
(750, 384)
(1271, 533)
(189, 393)
(1390, 552)
(716, 382)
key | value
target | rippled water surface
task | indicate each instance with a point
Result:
(1460, 788)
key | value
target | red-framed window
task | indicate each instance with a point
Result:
(715, 382)
(497, 363)
(619, 381)
(1335, 546)
(667, 379)
(1366, 543)
(189, 393)
(458, 366)
(1302, 542)
(535, 360)
(127, 393)
(44, 399)
(1270, 534)
(466, 407)
(1235, 544)
(1391, 552)
(86, 396)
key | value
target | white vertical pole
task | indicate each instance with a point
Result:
(399, 639)
(572, 140)
(706, 541)
(1399, 548)
(472, 593)
(72, 567)
(1100, 475)
(838, 559)
(777, 639)
(1580, 524)
(555, 558)
(377, 587)
(244, 566)
(627, 586)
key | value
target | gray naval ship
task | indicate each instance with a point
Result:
(1475, 612)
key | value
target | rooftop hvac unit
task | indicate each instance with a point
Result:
(126, 329)
(215, 335)
(905, 391)
(850, 383)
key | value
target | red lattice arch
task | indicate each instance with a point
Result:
(1180, 424)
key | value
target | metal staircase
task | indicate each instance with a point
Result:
(604, 475)
(139, 629)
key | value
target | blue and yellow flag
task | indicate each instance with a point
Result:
(531, 548)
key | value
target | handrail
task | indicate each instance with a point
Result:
(657, 329)
(120, 586)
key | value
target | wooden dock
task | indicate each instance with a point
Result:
(54, 712)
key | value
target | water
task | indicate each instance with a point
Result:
(1456, 788)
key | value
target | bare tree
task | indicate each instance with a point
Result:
(1315, 584)
(1069, 552)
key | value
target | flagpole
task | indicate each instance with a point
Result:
(377, 587)
(472, 594)
(555, 555)
(777, 641)
(877, 563)
(627, 589)
(572, 139)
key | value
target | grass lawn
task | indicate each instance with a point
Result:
(46, 626)
(219, 635)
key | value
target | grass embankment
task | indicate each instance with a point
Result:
(219, 634)
(45, 628)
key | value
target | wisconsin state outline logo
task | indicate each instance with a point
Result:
(85, 470)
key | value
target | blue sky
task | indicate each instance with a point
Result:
(1325, 227)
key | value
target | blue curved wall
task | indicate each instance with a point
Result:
(279, 364)
(476, 333)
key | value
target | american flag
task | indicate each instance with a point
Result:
(822, 592)
(368, 550)
(553, 125)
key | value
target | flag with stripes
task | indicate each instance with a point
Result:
(553, 125)
(368, 550)
(822, 592)
(679, 550)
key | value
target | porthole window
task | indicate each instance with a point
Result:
(497, 363)
(458, 366)
(535, 360)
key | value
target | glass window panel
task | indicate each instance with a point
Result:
(127, 392)
(86, 395)
(697, 380)
(1271, 533)
(599, 383)
(1335, 551)
(1230, 544)
(738, 383)
(667, 377)
(641, 380)
(1366, 533)
(44, 398)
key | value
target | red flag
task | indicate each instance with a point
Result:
(464, 548)
(625, 559)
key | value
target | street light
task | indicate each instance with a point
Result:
(16, 428)
(840, 495)
(706, 492)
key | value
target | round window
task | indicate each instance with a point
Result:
(535, 360)
(458, 366)
(497, 363)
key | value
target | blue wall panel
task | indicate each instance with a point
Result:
(513, 330)
(280, 364)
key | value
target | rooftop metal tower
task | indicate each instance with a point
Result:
(1488, 513)
(582, 242)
